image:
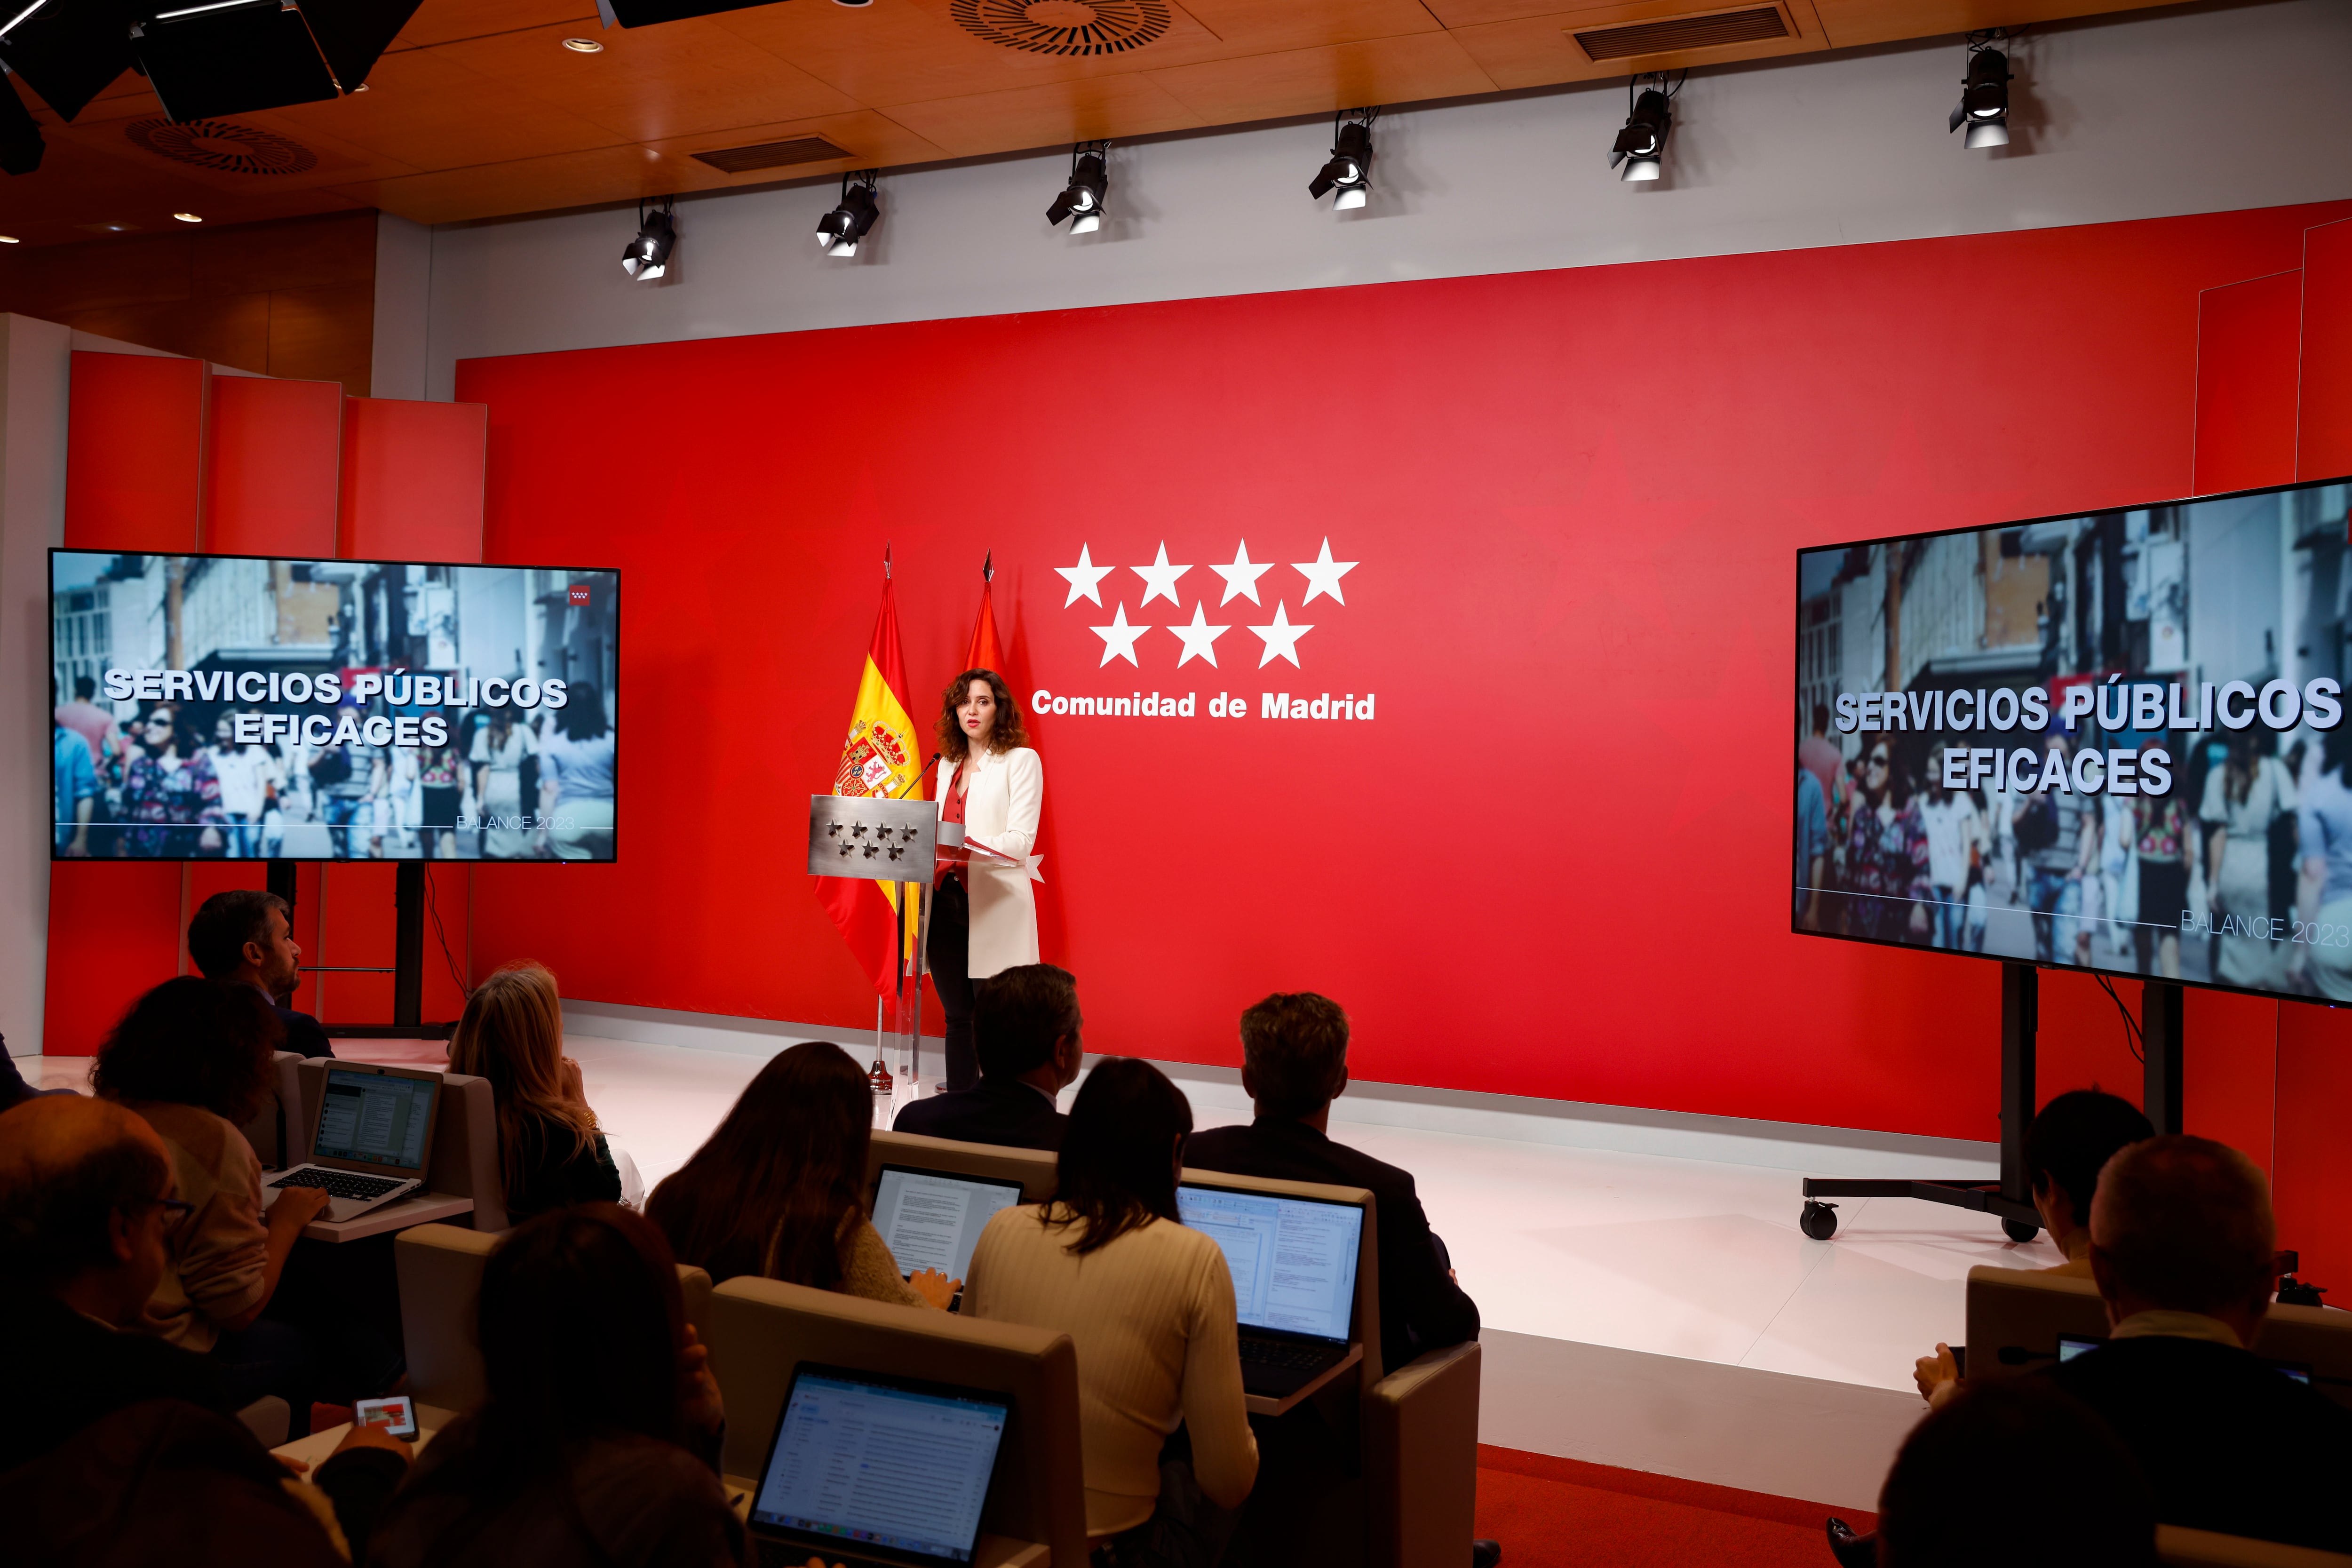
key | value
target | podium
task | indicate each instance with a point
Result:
(876, 838)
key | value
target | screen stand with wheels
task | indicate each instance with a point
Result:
(407, 970)
(2162, 1004)
(2011, 1198)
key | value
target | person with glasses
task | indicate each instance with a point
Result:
(88, 1211)
(1886, 860)
(171, 797)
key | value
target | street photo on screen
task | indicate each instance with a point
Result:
(2113, 742)
(232, 707)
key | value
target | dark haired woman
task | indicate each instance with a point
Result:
(600, 1440)
(983, 919)
(1886, 852)
(779, 1189)
(170, 791)
(1150, 1306)
(575, 776)
(193, 1059)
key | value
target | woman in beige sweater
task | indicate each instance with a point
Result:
(779, 1189)
(1148, 1305)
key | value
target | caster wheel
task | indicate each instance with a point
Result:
(1819, 1220)
(2020, 1230)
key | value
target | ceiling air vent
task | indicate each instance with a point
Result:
(222, 146)
(1673, 34)
(771, 154)
(1064, 27)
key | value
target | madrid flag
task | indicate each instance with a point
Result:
(881, 757)
(984, 651)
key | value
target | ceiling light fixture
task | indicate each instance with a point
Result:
(1640, 147)
(646, 257)
(838, 232)
(188, 218)
(8, 239)
(1081, 200)
(584, 46)
(1350, 168)
(1984, 91)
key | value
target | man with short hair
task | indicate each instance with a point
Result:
(1294, 1064)
(2182, 1246)
(243, 937)
(1027, 1027)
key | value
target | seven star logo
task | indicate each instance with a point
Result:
(1279, 636)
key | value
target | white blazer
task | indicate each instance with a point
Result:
(1002, 796)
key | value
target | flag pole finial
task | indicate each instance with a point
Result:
(988, 568)
(885, 563)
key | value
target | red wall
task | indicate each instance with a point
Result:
(1554, 863)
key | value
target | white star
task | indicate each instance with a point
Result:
(1159, 578)
(1199, 638)
(1280, 633)
(1119, 637)
(1242, 576)
(1323, 575)
(1036, 865)
(1083, 578)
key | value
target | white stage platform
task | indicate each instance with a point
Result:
(1648, 1300)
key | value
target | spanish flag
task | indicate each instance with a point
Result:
(882, 757)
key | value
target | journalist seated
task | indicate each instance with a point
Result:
(2181, 1247)
(242, 937)
(1025, 1024)
(116, 1444)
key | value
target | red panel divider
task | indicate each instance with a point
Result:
(2248, 335)
(134, 452)
(274, 460)
(2324, 419)
(412, 485)
(2315, 1084)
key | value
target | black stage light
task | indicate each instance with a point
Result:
(646, 256)
(69, 51)
(1350, 169)
(1640, 147)
(1081, 200)
(1984, 94)
(20, 134)
(230, 57)
(353, 34)
(839, 230)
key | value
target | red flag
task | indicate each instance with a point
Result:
(882, 757)
(984, 652)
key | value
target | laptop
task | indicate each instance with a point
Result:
(1294, 1265)
(873, 1470)
(932, 1219)
(370, 1142)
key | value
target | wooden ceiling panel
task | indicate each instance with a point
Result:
(1538, 51)
(653, 83)
(76, 188)
(1854, 22)
(431, 111)
(1046, 116)
(531, 185)
(1306, 81)
(444, 21)
(1261, 27)
(872, 141)
(333, 160)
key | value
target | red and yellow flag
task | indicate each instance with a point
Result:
(984, 651)
(883, 756)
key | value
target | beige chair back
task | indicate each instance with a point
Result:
(2317, 1337)
(1367, 1259)
(761, 1330)
(439, 1267)
(2180, 1548)
(465, 1159)
(279, 1126)
(2015, 1316)
(1033, 1168)
(1420, 1459)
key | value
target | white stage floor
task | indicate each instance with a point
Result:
(1572, 1252)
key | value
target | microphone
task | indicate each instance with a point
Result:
(911, 783)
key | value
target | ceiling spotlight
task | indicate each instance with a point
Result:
(646, 256)
(838, 232)
(1081, 200)
(584, 46)
(1984, 94)
(1640, 149)
(1350, 169)
(8, 239)
(188, 218)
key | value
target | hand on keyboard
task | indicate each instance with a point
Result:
(338, 1183)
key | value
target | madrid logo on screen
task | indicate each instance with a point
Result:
(580, 594)
(1280, 637)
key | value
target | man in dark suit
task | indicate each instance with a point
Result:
(244, 937)
(1294, 1064)
(2181, 1247)
(1026, 1025)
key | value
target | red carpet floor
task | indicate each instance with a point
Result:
(1563, 1513)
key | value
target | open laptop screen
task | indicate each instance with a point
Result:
(375, 1118)
(931, 1219)
(885, 1462)
(1293, 1259)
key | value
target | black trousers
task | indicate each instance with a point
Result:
(948, 953)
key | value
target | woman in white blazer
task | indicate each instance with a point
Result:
(983, 918)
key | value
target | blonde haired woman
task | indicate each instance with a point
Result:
(550, 1153)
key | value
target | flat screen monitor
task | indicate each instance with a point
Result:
(375, 1116)
(247, 707)
(1293, 1259)
(2111, 741)
(932, 1219)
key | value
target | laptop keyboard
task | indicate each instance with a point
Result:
(1287, 1353)
(340, 1183)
